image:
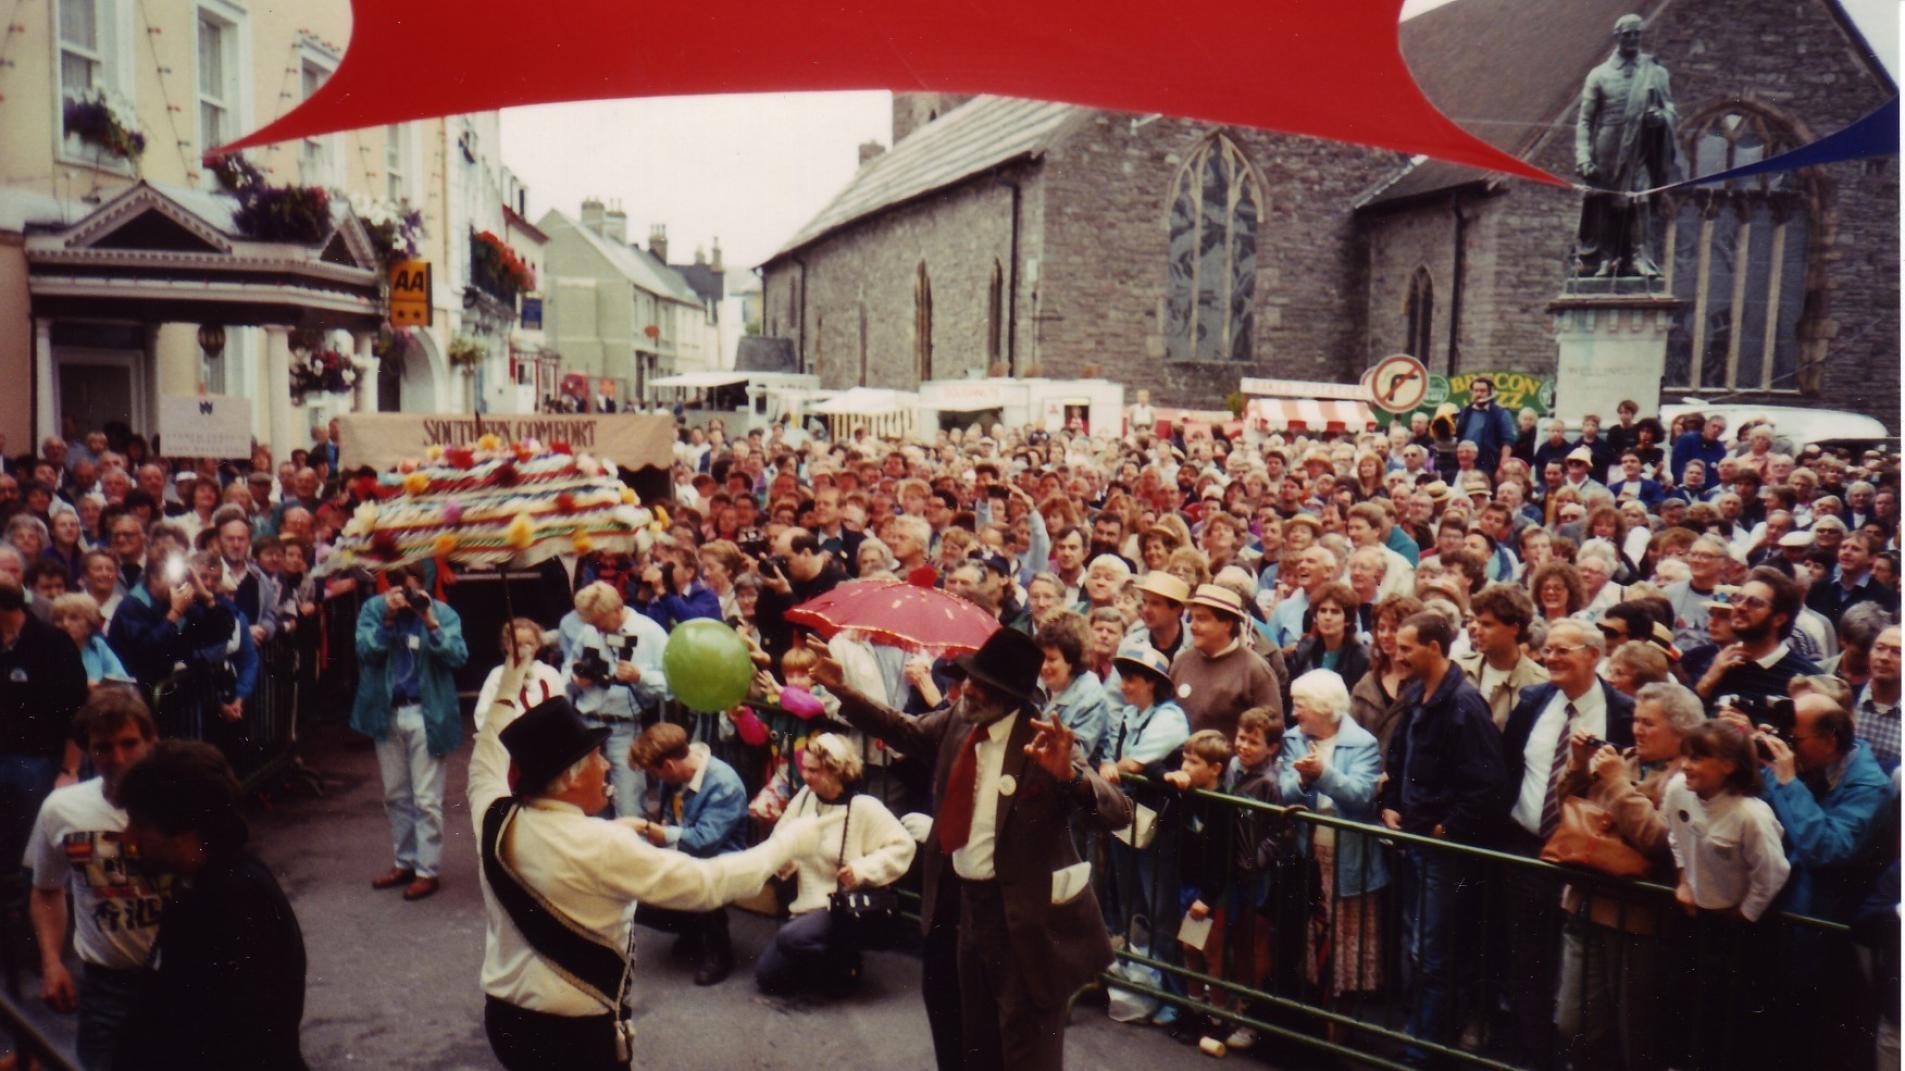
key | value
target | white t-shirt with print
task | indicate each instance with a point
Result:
(81, 838)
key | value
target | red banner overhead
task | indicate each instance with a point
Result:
(1327, 68)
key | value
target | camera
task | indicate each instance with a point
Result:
(600, 667)
(175, 570)
(751, 542)
(418, 599)
(778, 563)
(1596, 743)
(1774, 710)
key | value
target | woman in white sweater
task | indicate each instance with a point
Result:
(543, 681)
(861, 843)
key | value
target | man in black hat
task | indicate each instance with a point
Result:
(1003, 881)
(557, 884)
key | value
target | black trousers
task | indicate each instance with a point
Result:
(939, 976)
(1002, 1026)
(525, 1040)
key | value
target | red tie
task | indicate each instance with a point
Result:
(955, 807)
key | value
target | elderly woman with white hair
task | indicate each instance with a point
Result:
(1597, 563)
(1105, 577)
(861, 844)
(1607, 951)
(1334, 767)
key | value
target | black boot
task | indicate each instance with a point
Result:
(717, 955)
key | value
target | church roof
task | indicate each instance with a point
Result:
(1511, 79)
(983, 133)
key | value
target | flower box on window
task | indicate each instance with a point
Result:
(103, 118)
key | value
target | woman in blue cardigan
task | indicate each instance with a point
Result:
(1333, 766)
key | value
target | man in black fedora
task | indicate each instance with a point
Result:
(557, 884)
(1002, 875)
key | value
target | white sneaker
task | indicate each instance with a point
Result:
(1241, 1038)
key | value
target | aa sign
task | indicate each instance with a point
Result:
(410, 294)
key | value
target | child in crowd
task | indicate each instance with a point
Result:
(1207, 884)
(1726, 847)
(1725, 839)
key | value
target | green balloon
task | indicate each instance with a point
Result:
(707, 665)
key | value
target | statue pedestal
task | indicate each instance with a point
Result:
(1613, 339)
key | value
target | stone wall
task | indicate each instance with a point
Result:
(869, 272)
(1793, 62)
(1103, 278)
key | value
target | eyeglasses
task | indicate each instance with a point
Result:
(1550, 651)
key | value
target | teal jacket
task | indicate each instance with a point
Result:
(1826, 835)
(442, 652)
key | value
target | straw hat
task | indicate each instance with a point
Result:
(1165, 586)
(1221, 599)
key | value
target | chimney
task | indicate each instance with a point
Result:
(869, 150)
(658, 241)
(592, 214)
(714, 259)
(615, 224)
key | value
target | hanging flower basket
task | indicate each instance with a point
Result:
(103, 118)
(394, 229)
(466, 353)
(391, 343)
(325, 370)
(495, 267)
(270, 213)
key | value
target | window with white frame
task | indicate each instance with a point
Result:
(218, 80)
(319, 158)
(91, 45)
(397, 167)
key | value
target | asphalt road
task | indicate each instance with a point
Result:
(393, 985)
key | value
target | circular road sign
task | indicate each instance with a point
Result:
(1399, 383)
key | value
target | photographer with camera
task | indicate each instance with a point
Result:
(798, 570)
(154, 629)
(615, 678)
(407, 646)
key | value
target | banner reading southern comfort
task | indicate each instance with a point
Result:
(631, 440)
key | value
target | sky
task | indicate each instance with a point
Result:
(751, 169)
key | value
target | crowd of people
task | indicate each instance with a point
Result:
(1666, 653)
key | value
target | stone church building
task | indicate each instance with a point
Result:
(1027, 238)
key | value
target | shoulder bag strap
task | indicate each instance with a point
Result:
(579, 956)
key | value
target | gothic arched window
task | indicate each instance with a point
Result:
(1737, 255)
(995, 316)
(1215, 206)
(1420, 315)
(923, 323)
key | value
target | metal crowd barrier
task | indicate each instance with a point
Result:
(31, 1046)
(1643, 986)
(263, 741)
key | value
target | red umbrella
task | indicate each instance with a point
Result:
(897, 614)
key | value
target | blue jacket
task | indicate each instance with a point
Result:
(1691, 445)
(1084, 709)
(1492, 430)
(1825, 834)
(441, 652)
(672, 609)
(712, 820)
(1445, 761)
(100, 661)
(1649, 492)
(1350, 782)
(150, 645)
(1521, 723)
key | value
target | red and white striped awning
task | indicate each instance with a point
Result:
(1309, 414)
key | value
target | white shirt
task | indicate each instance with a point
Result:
(544, 683)
(80, 838)
(974, 861)
(594, 870)
(1727, 848)
(880, 852)
(1590, 715)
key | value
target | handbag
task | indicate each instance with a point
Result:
(1586, 838)
(867, 916)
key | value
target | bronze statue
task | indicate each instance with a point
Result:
(1623, 144)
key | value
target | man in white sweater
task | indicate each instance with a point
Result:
(557, 884)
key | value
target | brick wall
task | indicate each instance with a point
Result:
(1790, 59)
